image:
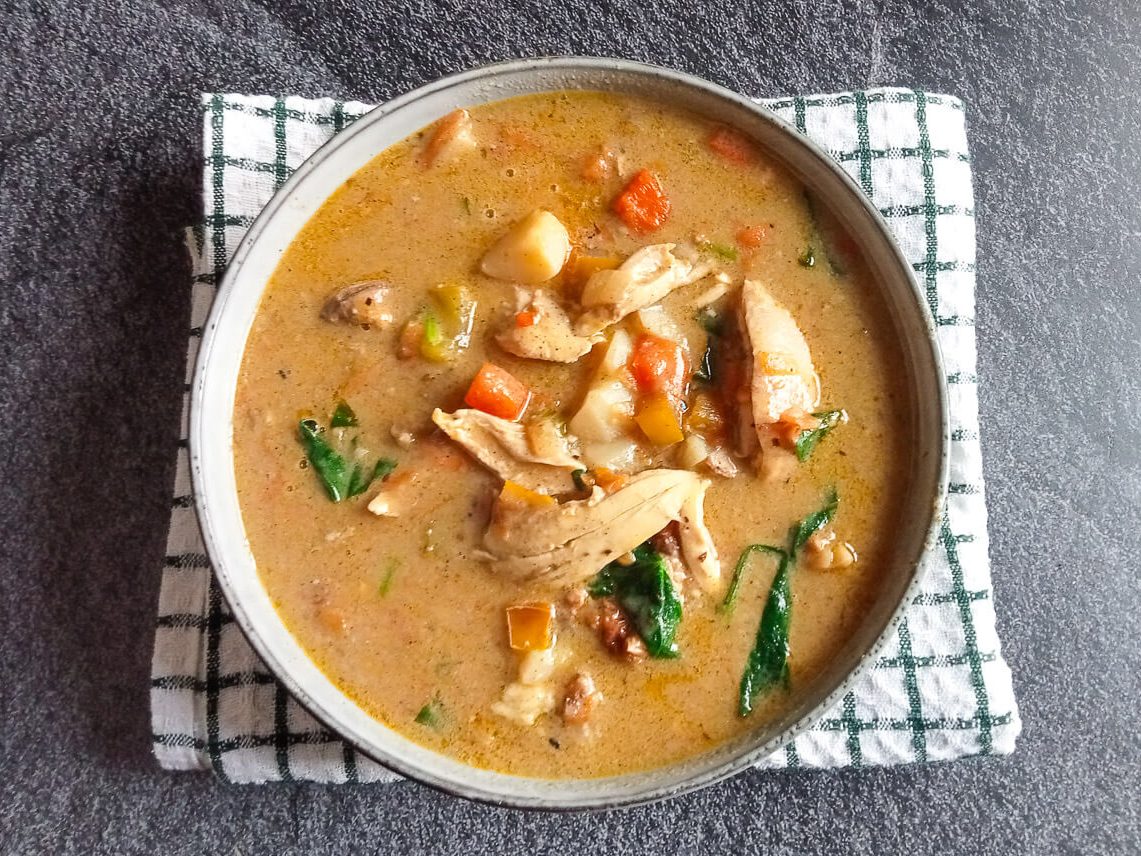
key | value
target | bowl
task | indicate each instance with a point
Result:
(223, 343)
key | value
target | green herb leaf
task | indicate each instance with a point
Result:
(326, 462)
(739, 571)
(722, 251)
(579, 479)
(813, 522)
(343, 416)
(768, 661)
(644, 590)
(466, 204)
(705, 369)
(389, 574)
(806, 441)
(808, 257)
(431, 715)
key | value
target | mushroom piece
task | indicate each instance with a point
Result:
(566, 543)
(642, 280)
(505, 448)
(361, 303)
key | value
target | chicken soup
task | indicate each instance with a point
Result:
(569, 436)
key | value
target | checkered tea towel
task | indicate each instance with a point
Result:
(940, 689)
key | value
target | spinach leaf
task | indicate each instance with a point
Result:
(343, 417)
(806, 441)
(705, 371)
(768, 660)
(739, 571)
(579, 477)
(808, 257)
(644, 590)
(340, 477)
(711, 321)
(816, 520)
(326, 462)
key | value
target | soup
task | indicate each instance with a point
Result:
(569, 436)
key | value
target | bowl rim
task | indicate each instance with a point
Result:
(216, 551)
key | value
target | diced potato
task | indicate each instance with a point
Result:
(580, 268)
(658, 421)
(693, 451)
(531, 251)
(605, 412)
(617, 455)
(617, 355)
(530, 627)
(519, 495)
(657, 322)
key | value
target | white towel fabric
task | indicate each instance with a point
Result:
(940, 690)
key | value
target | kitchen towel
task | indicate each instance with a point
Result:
(939, 690)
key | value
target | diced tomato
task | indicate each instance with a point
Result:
(496, 391)
(731, 145)
(659, 365)
(751, 237)
(643, 204)
(526, 318)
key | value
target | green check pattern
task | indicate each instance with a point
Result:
(940, 690)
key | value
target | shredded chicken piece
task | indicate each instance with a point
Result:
(782, 375)
(721, 463)
(567, 543)
(450, 135)
(503, 448)
(404, 438)
(531, 694)
(549, 335)
(580, 697)
(395, 495)
(642, 280)
(362, 304)
(775, 463)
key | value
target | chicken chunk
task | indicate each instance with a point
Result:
(566, 543)
(450, 136)
(580, 697)
(362, 304)
(783, 376)
(504, 448)
(642, 280)
(547, 333)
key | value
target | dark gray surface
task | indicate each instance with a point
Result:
(98, 172)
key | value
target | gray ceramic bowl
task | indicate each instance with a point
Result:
(223, 343)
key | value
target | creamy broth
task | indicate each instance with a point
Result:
(400, 612)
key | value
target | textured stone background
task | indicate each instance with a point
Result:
(98, 172)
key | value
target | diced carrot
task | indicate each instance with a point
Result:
(658, 420)
(526, 318)
(496, 391)
(658, 365)
(643, 204)
(751, 237)
(332, 619)
(516, 493)
(731, 145)
(609, 480)
(791, 423)
(530, 627)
